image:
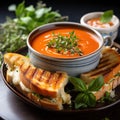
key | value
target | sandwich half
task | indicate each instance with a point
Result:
(109, 68)
(43, 87)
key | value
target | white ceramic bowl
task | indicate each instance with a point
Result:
(111, 31)
(73, 66)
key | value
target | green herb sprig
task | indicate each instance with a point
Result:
(31, 17)
(85, 97)
(65, 44)
(14, 31)
(106, 16)
(107, 98)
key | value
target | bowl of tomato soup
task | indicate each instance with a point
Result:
(93, 20)
(65, 46)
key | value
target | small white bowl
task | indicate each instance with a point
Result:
(111, 31)
(73, 66)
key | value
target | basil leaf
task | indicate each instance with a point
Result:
(80, 105)
(20, 9)
(78, 84)
(107, 16)
(96, 84)
(85, 100)
(79, 102)
(92, 100)
(42, 11)
(30, 8)
(29, 11)
(89, 99)
(25, 20)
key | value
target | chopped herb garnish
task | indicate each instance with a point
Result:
(65, 44)
(106, 16)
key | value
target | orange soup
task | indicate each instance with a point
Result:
(95, 22)
(86, 42)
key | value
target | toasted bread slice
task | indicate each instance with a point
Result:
(110, 59)
(112, 80)
(109, 67)
(43, 82)
(112, 76)
(35, 80)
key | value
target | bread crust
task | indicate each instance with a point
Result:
(43, 103)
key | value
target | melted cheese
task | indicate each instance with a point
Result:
(24, 88)
(65, 97)
(14, 74)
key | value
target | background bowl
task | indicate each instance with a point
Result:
(111, 31)
(73, 66)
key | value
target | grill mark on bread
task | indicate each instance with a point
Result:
(103, 70)
(24, 67)
(45, 76)
(14, 58)
(29, 72)
(52, 80)
(60, 79)
(57, 81)
(38, 73)
(20, 61)
(39, 79)
(49, 77)
(104, 61)
(34, 72)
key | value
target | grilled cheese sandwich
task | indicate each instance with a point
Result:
(109, 67)
(41, 86)
(110, 59)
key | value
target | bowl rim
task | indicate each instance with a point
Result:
(65, 23)
(83, 21)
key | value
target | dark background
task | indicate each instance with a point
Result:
(72, 8)
(14, 108)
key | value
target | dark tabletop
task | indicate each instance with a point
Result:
(13, 108)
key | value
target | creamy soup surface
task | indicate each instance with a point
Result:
(87, 42)
(95, 22)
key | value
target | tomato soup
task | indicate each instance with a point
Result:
(87, 42)
(95, 22)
